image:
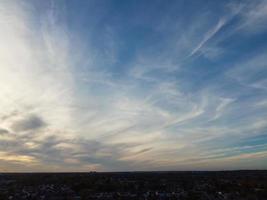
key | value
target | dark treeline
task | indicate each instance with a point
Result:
(250, 185)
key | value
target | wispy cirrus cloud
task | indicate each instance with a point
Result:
(208, 36)
(79, 97)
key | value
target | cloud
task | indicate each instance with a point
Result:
(209, 35)
(3, 131)
(250, 72)
(31, 122)
(254, 17)
(55, 152)
(125, 101)
(245, 18)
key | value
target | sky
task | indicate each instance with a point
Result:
(134, 85)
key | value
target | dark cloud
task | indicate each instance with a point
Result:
(31, 122)
(3, 131)
(144, 150)
(55, 150)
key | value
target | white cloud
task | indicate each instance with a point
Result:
(210, 34)
(35, 73)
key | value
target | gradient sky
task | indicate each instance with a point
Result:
(117, 85)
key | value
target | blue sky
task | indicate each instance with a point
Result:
(133, 85)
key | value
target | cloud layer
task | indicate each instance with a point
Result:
(105, 86)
